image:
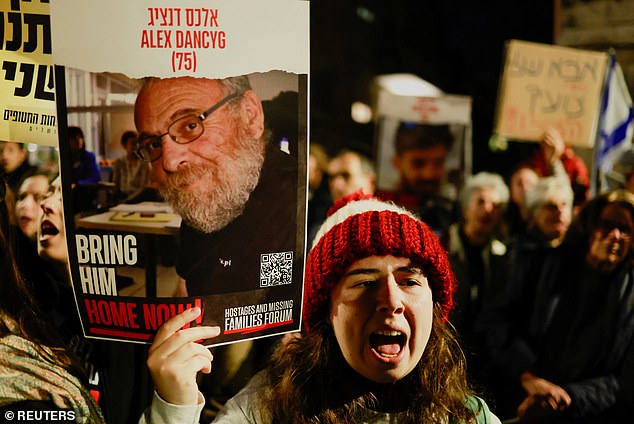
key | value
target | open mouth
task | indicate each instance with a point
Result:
(48, 229)
(387, 343)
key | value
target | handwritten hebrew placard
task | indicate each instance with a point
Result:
(546, 86)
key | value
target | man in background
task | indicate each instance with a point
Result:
(319, 200)
(421, 152)
(15, 164)
(348, 172)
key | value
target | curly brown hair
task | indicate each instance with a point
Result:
(310, 382)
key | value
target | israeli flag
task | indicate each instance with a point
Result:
(615, 128)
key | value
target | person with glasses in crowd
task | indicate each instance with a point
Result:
(236, 191)
(558, 337)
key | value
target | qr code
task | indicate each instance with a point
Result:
(276, 269)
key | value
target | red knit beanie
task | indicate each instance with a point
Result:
(359, 226)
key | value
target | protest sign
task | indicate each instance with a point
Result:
(406, 98)
(221, 94)
(544, 86)
(27, 90)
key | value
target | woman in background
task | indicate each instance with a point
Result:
(558, 336)
(36, 372)
(84, 173)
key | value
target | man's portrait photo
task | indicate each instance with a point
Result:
(214, 161)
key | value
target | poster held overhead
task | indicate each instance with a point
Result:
(544, 86)
(228, 180)
(581, 94)
(423, 147)
(408, 98)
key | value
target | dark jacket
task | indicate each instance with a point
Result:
(568, 324)
(86, 171)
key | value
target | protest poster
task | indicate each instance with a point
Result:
(224, 87)
(544, 86)
(405, 99)
(27, 90)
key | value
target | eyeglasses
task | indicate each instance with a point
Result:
(182, 131)
(606, 226)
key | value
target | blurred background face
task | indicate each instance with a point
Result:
(553, 217)
(76, 143)
(521, 180)
(345, 176)
(51, 233)
(28, 211)
(130, 146)
(611, 241)
(422, 170)
(483, 213)
(315, 173)
(11, 156)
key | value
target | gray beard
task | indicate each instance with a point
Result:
(230, 182)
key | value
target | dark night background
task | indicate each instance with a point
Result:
(456, 45)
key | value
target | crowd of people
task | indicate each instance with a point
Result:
(504, 296)
(544, 301)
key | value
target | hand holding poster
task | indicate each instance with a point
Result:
(544, 86)
(229, 161)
